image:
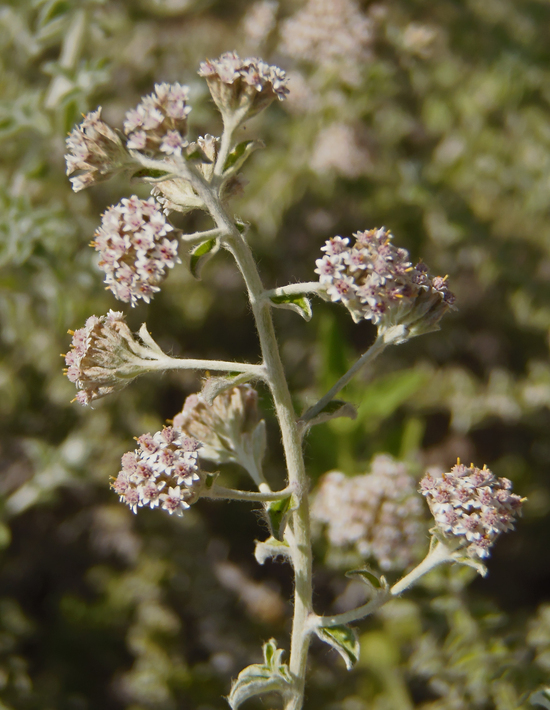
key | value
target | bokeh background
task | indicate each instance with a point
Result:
(429, 118)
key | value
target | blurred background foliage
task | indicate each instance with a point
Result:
(428, 118)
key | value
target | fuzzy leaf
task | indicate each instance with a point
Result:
(344, 640)
(333, 410)
(240, 153)
(150, 175)
(294, 302)
(277, 514)
(270, 676)
(368, 577)
(270, 549)
(201, 254)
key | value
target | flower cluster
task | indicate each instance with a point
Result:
(471, 506)
(229, 429)
(244, 85)
(95, 151)
(134, 248)
(163, 471)
(159, 122)
(327, 33)
(104, 357)
(378, 514)
(377, 282)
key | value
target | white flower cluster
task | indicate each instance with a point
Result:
(247, 84)
(163, 471)
(94, 151)
(134, 248)
(101, 360)
(327, 33)
(379, 514)
(472, 506)
(159, 122)
(377, 282)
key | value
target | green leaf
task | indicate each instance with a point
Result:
(270, 676)
(296, 302)
(201, 254)
(344, 640)
(150, 174)
(368, 577)
(277, 514)
(382, 397)
(240, 153)
(333, 410)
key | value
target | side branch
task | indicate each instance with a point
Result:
(221, 493)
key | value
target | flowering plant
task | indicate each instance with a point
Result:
(372, 278)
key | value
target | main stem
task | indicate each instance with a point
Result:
(300, 541)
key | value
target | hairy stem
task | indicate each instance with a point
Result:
(300, 540)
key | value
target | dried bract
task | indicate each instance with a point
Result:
(243, 87)
(377, 282)
(134, 248)
(95, 151)
(163, 472)
(379, 514)
(159, 123)
(104, 357)
(471, 506)
(230, 429)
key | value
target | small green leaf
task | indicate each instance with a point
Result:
(240, 153)
(333, 410)
(295, 302)
(277, 513)
(150, 174)
(366, 576)
(201, 254)
(271, 676)
(344, 640)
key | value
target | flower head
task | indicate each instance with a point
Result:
(243, 86)
(377, 514)
(377, 282)
(94, 151)
(104, 357)
(471, 506)
(135, 249)
(159, 122)
(163, 472)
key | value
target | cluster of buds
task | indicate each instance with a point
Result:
(377, 282)
(134, 248)
(378, 514)
(159, 122)
(230, 429)
(104, 357)
(163, 471)
(471, 507)
(94, 151)
(243, 87)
